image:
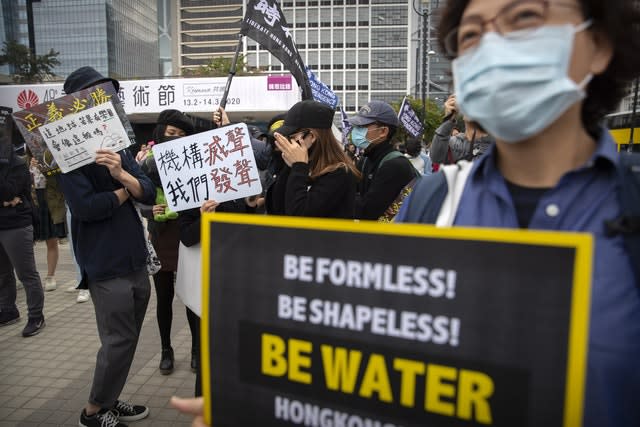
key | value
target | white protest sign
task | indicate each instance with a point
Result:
(214, 165)
(74, 139)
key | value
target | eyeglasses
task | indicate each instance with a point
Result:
(515, 20)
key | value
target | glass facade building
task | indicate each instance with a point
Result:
(13, 26)
(117, 37)
(362, 49)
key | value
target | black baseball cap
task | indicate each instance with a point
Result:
(85, 77)
(375, 111)
(307, 115)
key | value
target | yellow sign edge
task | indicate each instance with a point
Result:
(205, 369)
(578, 334)
(581, 286)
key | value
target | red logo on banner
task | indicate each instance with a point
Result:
(27, 99)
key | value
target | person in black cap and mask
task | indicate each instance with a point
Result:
(110, 248)
(320, 181)
(385, 171)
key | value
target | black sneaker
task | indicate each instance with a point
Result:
(9, 317)
(34, 326)
(104, 418)
(128, 412)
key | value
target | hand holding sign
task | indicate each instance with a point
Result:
(111, 160)
(208, 206)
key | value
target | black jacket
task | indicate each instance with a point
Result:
(380, 184)
(330, 195)
(15, 181)
(108, 239)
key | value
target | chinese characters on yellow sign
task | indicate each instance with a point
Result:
(63, 134)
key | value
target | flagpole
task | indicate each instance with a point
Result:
(232, 72)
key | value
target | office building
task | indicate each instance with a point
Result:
(117, 37)
(207, 29)
(362, 49)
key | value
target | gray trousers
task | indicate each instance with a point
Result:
(16, 252)
(120, 305)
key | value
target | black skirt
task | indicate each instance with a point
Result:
(46, 229)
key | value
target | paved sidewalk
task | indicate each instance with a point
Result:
(45, 380)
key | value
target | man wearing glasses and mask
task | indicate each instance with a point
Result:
(385, 171)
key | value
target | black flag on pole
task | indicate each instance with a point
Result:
(265, 23)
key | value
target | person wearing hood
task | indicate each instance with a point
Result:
(110, 248)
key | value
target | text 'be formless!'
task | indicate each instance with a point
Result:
(402, 279)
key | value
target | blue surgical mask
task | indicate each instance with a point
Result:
(515, 87)
(359, 137)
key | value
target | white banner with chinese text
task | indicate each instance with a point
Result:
(247, 94)
(215, 165)
(74, 139)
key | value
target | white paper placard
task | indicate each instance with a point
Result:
(74, 139)
(215, 165)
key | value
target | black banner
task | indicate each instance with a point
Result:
(265, 23)
(316, 322)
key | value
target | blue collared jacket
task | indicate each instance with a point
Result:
(581, 201)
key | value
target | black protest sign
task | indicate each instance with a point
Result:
(265, 23)
(323, 322)
(409, 119)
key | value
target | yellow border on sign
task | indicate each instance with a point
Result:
(581, 286)
(205, 369)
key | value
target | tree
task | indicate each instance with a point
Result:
(216, 67)
(28, 68)
(433, 119)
